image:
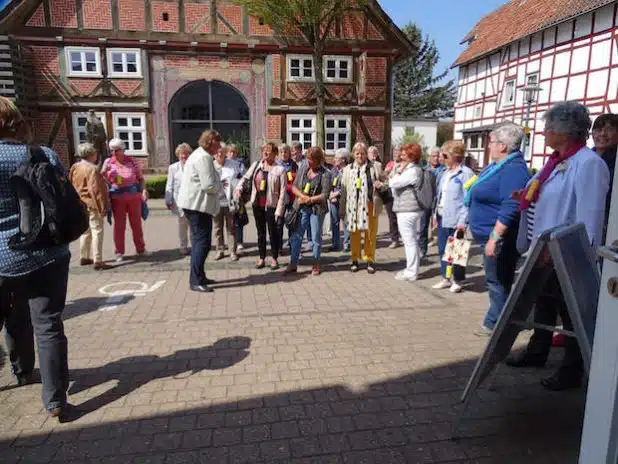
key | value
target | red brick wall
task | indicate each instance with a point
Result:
(43, 126)
(375, 127)
(301, 90)
(45, 61)
(63, 13)
(375, 94)
(38, 18)
(197, 18)
(233, 15)
(276, 76)
(97, 14)
(373, 32)
(158, 24)
(353, 25)
(376, 70)
(256, 29)
(128, 86)
(84, 87)
(273, 127)
(132, 15)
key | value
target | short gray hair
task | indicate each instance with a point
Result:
(343, 153)
(434, 151)
(284, 147)
(183, 147)
(84, 150)
(116, 143)
(510, 134)
(570, 118)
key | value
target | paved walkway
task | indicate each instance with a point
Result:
(337, 368)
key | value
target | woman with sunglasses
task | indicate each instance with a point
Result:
(451, 214)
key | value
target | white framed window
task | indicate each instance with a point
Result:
(337, 130)
(532, 79)
(300, 68)
(508, 96)
(79, 126)
(124, 62)
(338, 68)
(83, 61)
(302, 129)
(131, 129)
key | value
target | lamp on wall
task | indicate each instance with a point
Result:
(531, 94)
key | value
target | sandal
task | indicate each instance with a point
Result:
(260, 264)
(370, 268)
(354, 267)
(274, 265)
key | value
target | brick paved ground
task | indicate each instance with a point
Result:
(336, 368)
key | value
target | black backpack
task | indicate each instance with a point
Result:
(50, 210)
(425, 191)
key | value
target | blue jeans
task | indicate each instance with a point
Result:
(308, 219)
(333, 209)
(499, 277)
(423, 239)
(38, 302)
(201, 238)
(459, 272)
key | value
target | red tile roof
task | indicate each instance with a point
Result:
(518, 19)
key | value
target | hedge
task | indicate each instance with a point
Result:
(156, 186)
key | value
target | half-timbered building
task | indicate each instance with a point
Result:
(159, 72)
(568, 48)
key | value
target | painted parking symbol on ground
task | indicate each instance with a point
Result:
(117, 291)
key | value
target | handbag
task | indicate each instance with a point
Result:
(247, 185)
(457, 250)
(291, 217)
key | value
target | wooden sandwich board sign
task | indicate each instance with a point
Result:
(575, 264)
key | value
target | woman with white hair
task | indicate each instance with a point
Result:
(571, 188)
(494, 216)
(90, 185)
(172, 190)
(128, 191)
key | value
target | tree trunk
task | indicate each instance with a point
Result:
(319, 94)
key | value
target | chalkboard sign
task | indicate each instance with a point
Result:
(575, 264)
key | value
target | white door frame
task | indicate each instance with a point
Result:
(599, 443)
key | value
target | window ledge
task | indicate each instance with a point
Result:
(85, 74)
(125, 76)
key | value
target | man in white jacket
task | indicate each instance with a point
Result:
(199, 199)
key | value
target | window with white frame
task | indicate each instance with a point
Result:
(532, 79)
(300, 68)
(131, 129)
(337, 131)
(123, 62)
(338, 68)
(302, 129)
(508, 97)
(79, 126)
(83, 61)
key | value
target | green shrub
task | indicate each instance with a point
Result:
(156, 186)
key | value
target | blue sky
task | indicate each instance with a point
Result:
(445, 21)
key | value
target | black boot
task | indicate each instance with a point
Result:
(526, 358)
(565, 378)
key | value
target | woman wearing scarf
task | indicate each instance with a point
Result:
(451, 213)
(570, 189)
(361, 204)
(494, 216)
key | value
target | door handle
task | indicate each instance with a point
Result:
(609, 252)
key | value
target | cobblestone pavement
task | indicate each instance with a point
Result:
(338, 368)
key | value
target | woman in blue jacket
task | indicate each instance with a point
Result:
(494, 216)
(451, 214)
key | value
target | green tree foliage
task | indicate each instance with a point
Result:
(313, 20)
(445, 132)
(417, 91)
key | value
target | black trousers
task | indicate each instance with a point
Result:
(393, 227)
(549, 304)
(265, 219)
(201, 239)
(33, 304)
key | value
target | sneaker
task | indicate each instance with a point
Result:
(316, 270)
(443, 284)
(483, 331)
(354, 267)
(401, 276)
(119, 258)
(455, 288)
(371, 268)
(144, 253)
(220, 256)
(240, 247)
(234, 257)
(24, 379)
(393, 245)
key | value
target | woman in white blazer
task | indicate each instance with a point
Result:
(172, 190)
(199, 199)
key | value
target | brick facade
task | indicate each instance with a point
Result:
(232, 14)
(197, 18)
(63, 13)
(164, 17)
(131, 15)
(257, 29)
(273, 127)
(97, 14)
(38, 18)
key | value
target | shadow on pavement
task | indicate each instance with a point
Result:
(400, 420)
(81, 306)
(133, 372)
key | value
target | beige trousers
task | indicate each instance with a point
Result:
(221, 220)
(91, 241)
(183, 231)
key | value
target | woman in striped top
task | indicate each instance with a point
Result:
(570, 189)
